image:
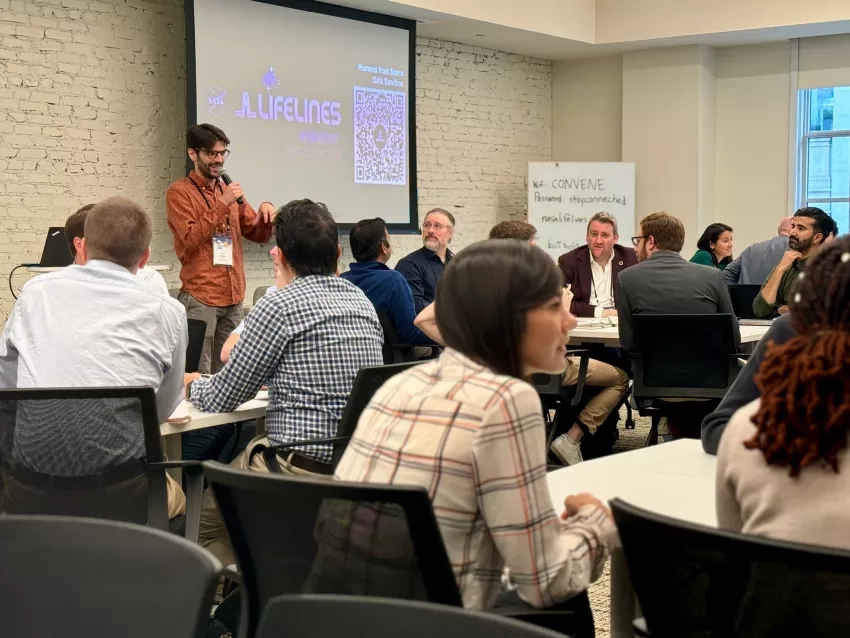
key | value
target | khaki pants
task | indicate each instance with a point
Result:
(221, 321)
(614, 382)
(212, 534)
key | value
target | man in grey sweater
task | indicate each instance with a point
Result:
(744, 389)
(754, 264)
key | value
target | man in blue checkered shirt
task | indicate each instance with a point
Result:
(305, 341)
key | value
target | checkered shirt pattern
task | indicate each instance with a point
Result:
(306, 341)
(476, 441)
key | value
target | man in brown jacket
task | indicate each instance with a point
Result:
(591, 271)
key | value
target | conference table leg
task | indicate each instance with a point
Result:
(172, 447)
(622, 597)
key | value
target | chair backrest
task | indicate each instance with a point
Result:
(195, 345)
(259, 291)
(389, 352)
(84, 577)
(683, 355)
(366, 383)
(81, 452)
(742, 296)
(323, 615)
(300, 535)
(694, 581)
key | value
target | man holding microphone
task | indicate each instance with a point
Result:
(208, 216)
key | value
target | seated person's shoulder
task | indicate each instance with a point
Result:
(571, 255)
(739, 429)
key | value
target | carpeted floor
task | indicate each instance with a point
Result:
(599, 592)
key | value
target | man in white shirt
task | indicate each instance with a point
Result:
(96, 325)
(74, 226)
(591, 271)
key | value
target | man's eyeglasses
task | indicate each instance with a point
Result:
(435, 225)
(213, 154)
(636, 240)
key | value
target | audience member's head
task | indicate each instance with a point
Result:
(307, 240)
(810, 228)
(437, 230)
(717, 240)
(804, 416)
(514, 229)
(784, 228)
(370, 241)
(74, 228)
(659, 231)
(117, 230)
(602, 235)
(500, 302)
(207, 148)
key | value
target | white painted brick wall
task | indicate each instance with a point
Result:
(92, 103)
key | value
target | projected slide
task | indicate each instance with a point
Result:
(314, 105)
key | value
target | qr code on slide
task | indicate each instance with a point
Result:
(380, 155)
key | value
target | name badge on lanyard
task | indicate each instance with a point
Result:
(222, 244)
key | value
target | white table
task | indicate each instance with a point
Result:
(674, 479)
(610, 336)
(43, 269)
(171, 440)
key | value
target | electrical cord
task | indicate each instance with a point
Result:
(12, 290)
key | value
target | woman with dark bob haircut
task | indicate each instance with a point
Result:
(714, 248)
(469, 429)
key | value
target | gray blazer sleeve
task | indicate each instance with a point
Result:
(624, 318)
(743, 389)
(732, 272)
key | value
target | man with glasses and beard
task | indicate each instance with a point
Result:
(810, 228)
(424, 267)
(208, 220)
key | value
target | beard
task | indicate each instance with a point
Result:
(204, 169)
(432, 244)
(641, 253)
(800, 245)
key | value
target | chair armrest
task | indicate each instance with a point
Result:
(584, 359)
(194, 493)
(553, 620)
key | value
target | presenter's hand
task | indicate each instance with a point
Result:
(231, 194)
(782, 310)
(568, 296)
(266, 212)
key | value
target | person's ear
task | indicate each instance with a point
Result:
(83, 251)
(192, 155)
(78, 242)
(821, 240)
(338, 251)
(616, 238)
(145, 258)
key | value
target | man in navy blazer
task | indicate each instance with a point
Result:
(591, 271)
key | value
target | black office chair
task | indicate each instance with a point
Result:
(560, 403)
(78, 577)
(681, 356)
(259, 291)
(742, 296)
(308, 616)
(195, 345)
(366, 383)
(51, 452)
(294, 535)
(693, 581)
(393, 350)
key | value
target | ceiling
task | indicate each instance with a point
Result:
(481, 33)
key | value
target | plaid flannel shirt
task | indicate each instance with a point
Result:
(476, 441)
(306, 341)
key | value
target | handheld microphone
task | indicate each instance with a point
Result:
(228, 180)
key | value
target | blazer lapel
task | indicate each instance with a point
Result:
(585, 279)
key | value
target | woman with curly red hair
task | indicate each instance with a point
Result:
(782, 467)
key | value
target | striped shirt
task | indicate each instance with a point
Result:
(306, 341)
(476, 441)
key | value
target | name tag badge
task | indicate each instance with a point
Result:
(222, 250)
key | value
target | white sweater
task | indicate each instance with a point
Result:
(757, 498)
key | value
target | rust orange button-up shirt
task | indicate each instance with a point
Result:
(196, 214)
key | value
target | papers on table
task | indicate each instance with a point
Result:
(755, 322)
(181, 414)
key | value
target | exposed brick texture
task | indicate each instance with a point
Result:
(92, 104)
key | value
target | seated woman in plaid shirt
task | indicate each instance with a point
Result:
(470, 430)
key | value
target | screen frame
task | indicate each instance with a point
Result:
(347, 13)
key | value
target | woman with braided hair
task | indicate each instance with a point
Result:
(783, 469)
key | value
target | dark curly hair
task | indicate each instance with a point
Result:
(804, 416)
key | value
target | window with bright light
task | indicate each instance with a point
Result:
(825, 152)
